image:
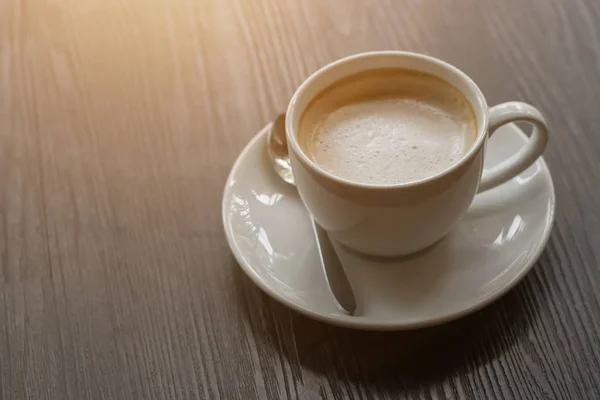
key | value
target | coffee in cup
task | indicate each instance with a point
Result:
(387, 127)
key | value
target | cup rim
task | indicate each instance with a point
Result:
(479, 141)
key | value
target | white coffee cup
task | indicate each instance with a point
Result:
(396, 220)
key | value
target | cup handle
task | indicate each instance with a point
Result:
(505, 113)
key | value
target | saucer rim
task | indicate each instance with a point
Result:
(353, 322)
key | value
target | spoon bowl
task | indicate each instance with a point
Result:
(278, 151)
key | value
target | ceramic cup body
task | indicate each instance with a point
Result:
(396, 220)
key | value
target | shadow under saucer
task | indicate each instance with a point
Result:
(386, 362)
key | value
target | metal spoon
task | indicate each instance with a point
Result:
(334, 272)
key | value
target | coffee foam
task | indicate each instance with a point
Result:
(388, 127)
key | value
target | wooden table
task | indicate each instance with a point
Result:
(119, 122)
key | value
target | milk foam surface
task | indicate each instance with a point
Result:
(388, 127)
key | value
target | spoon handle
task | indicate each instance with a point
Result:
(334, 271)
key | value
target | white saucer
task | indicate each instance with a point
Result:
(486, 254)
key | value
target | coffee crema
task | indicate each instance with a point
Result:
(387, 127)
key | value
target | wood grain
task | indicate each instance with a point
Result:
(119, 121)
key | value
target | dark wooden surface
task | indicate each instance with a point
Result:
(119, 121)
